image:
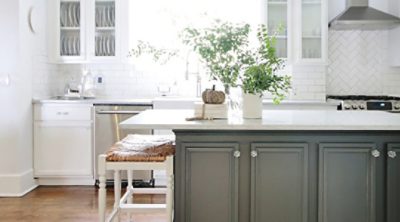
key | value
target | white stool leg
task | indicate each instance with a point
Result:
(128, 188)
(117, 192)
(102, 187)
(170, 188)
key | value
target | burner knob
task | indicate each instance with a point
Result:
(347, 107)
(397, 106)
(362, 106)
(354, 106)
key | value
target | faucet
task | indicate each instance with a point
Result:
(198, 76)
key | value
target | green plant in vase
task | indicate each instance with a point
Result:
(260, 75)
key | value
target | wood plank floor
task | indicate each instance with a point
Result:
(67, 203)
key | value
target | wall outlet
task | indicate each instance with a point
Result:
(4, 79)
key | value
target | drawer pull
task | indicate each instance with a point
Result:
(376, 153)
(392, 154)
(62, 113)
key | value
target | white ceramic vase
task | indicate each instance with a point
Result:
(252, 106)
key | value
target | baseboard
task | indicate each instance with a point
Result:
(66, 181)
(17, 185)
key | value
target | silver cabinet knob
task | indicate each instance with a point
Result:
(236, 154)
(375, 153)
(253, 153)
(392, 154)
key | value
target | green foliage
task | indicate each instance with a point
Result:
(261, 67)
(219, 47)
(159, 54)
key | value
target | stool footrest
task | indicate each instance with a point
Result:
(143, 208)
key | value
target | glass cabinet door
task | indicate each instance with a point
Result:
(276, 20)
(104, 36)
(70, 28)
(312, 29)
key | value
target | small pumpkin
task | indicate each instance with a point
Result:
(212, 96)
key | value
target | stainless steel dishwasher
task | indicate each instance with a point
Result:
(107, 132)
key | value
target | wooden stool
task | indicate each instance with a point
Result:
(136, 152)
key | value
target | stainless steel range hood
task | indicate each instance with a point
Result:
(360, 16)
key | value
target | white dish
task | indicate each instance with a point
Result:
(108, 46)
(100, 46)
(97, 16)
(112, 16)
(96, 46)
(62, 50)
(103, 16)
(112, 46)
(70, 22)
(78, 46)
(62, 15)
(78, 14)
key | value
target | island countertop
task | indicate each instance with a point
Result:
(272, 120)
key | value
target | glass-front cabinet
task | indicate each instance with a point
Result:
(314, 27)
(86, 30)
(71, 30)
(103, 45)
(301, 28)
(276, 17)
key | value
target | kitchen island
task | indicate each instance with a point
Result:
(289, 166)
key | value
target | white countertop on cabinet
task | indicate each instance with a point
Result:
(272, 120)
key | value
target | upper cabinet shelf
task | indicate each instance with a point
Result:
(87, 31)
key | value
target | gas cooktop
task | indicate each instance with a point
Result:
(363, 102)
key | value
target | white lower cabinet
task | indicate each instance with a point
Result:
(63, 146)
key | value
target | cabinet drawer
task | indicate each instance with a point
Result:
(63, 112)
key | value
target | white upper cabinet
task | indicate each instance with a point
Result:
(303, 36)
(87, 30)
(275, 15)
(314, 29)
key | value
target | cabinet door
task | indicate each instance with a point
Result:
(104, 23)
(314, 31)
(347, 182)
(275, 16)
(279, 182)
(62, 149)
(393, 183)
(70, 44)
(211, 182)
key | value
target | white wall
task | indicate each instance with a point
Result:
(18, 58)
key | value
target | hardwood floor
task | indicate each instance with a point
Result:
(67, 203)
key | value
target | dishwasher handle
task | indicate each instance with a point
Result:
(118, 112)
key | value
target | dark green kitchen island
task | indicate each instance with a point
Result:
(290, 166)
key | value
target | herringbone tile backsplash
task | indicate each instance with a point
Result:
(358, 64)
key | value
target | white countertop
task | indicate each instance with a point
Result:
(272, 120)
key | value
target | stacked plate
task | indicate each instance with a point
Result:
(105, 15)
(70, 14)
(105, 45)
(70, 46)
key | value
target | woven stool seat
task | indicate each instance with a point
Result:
(142, 148)
(134, 153)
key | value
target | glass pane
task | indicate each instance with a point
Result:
(277, 24)
(311, 24)
(70, 13)
(70, 43)
(105, 28)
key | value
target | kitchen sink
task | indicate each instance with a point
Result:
(71, 98)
